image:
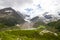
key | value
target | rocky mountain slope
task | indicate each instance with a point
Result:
(9, 16)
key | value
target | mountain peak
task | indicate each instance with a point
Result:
(10, 16)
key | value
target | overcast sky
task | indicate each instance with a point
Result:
(32, 7)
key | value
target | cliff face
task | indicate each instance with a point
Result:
(9, 16)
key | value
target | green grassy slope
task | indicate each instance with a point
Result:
(26, 35)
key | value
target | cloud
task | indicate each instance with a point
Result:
(38, 6)
(14, 3)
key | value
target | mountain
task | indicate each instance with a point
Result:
(10, 17)
(48, 17)
(44, 19)
(35, 19)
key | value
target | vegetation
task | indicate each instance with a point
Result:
(26, 35)
(55, 25)
(11, 32)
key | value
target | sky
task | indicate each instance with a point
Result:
(32, 7)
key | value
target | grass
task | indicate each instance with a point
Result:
(14, 33)
(42, 26)
(26, 35)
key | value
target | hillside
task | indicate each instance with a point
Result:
(27, 35)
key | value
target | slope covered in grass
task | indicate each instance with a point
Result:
(26, 35)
